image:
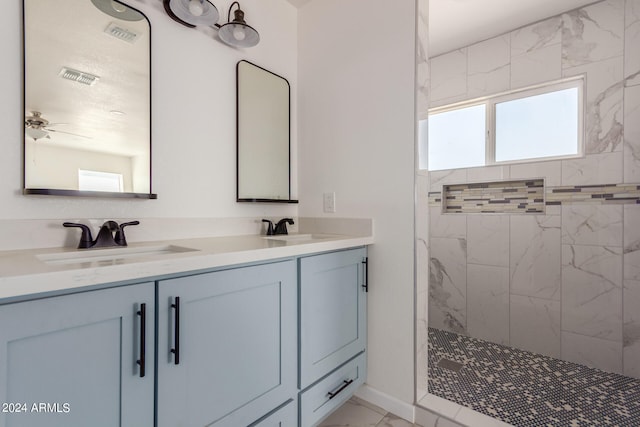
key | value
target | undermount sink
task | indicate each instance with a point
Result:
(111, 255)
(297, 237)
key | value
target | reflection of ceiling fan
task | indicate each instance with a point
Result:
(37, 127)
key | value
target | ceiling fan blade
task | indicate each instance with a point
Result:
(68, 133)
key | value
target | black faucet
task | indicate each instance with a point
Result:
(281, 226)
(269, 227)
(106, 237)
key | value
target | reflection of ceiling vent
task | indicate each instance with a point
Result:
(121, 33)
(78, 76)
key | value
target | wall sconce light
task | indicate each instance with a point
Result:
(190, 13)
(237, 33)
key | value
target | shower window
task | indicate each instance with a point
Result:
(454, 146)
(537, 123)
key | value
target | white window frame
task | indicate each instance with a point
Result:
(490, 102)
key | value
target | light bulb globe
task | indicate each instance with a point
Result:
(196, 8)
(239, 33)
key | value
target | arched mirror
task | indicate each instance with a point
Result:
(264, 132)
(87, 99)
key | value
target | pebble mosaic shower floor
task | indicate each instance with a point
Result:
(526, 389)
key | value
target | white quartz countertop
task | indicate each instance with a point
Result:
(26, 273)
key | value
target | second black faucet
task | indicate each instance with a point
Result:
(280, 227)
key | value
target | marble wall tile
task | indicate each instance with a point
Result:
(538, 66)
(592, 291)
(422, 213)
(553, 210)
(594, 352)
(592, 225)
(449, 76)
(488, 173)
(550, 171)
(632, 243)
(593, 33)
(632, 133)
(488, 66)
(448, 285)
(604, 104)
(535, 266)
(488, 239)
(488, 306)
(631, 43)
(631, 328)
(535, 325)
(451, 176)
(450, 226)
(422, 208)
(536, 36)
(593, 169)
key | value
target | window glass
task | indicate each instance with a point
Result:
(457, 138)
(537, 126)
(539, 122)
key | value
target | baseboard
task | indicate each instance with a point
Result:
(388, 403)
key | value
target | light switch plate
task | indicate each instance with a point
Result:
(329, 202)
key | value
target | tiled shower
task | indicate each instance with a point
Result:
(564, 282)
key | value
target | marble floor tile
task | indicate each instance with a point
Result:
(353, 414)
(356, 412)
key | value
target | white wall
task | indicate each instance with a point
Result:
(356, 137)
(193, 106)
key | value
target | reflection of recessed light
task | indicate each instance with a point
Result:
(117, 112)
(120, 32)
(78, 76)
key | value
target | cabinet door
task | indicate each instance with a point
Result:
(71, 361)
(332, 312)
(236, 342)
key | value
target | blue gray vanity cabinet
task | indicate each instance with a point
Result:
(75, 358)
(332, 330)
(287, 416)
(237, 345)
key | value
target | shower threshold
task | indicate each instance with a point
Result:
(527, 389)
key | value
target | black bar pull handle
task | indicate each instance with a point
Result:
(176, 331)
(345, 384)
(143, 338)
(365, 284)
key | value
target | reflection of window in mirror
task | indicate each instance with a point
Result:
(87, 95)
(99, 181)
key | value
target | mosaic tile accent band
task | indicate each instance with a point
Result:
(526, 389)
(527, 196)
(495, 197)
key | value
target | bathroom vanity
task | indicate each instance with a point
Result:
(227, 331)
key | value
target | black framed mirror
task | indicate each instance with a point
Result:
(87, 99)
(263, 114)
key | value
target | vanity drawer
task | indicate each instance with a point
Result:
(329, 393)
